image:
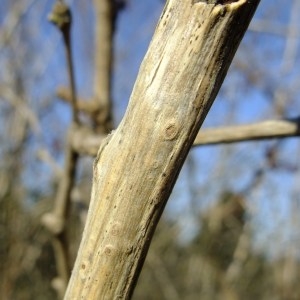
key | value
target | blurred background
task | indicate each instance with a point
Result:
(231, 229)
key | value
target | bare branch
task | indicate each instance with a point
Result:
(62, 18)
(86, 142)
(137, 166)
(239, 133)
(55, 220)
(86, 106)
(104, 10)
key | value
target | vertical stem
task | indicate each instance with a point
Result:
(103, 63)
(56, 220)
(68, 50)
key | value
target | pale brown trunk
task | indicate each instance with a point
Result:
(137, 165)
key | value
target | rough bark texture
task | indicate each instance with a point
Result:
(137, 165)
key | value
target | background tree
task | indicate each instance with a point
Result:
(263, 86)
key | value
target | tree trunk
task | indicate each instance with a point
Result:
(137, 165)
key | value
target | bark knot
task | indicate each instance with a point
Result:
(171, 131)
(108, 250)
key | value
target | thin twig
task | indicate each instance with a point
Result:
(61, 17)
(55, 221)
